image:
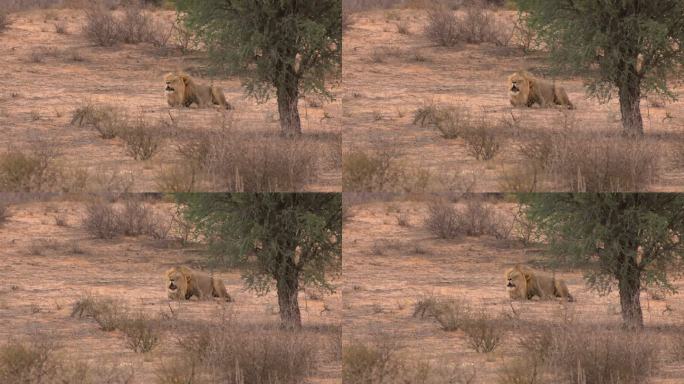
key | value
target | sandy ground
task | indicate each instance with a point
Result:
(384, 84)
(388, 268)
(37, 99)
(42, 277)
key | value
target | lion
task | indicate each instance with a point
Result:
(526, 90)
(181, 90)
(525, 283)
(183, 283)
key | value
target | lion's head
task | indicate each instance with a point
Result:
(176, 284)
(175, 89)
(516, 282)
(518, 88)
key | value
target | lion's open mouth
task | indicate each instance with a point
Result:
(172, 287)
(510, 285)
(514, 89)
(169, 89)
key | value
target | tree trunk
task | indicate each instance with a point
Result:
(290, 123)
(630, 98)
(630, 288)
(288, 302)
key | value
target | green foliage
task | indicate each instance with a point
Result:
(287, 45)
(632, 45)
(286, 237)
(631, 238)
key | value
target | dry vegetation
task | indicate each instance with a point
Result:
(428, 80)
(83, 301)
(110, 120)
(439, 313)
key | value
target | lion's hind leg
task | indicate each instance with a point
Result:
(561, 290)
(561, 98)
(218, 98)
(219, 290)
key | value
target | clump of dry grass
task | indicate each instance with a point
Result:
(143, 140)
(483, 332)
(381, 361)
(474, 218)
(106, 221)
(108, 313)
(28, 171)
(476, 25)
(371, 171)
(142, 332)
(101, 27)
(133, 27)
(108, 121)
(236, 353)
(451, 314)
(5, 21)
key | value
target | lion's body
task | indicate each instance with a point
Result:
(524, 283)
(182, 91)
(183, 283)
(526, 90)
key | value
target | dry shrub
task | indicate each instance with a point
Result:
(245, 162)
(443, 27)
(522, 370)
(134, 218)
(483, 333)
(474, 218)
(234, 353)
(483, 139)
(476, 25)
(101, 27)
(451, 314)
(5, 21)
(377, 170)
(101, 220)
(603, 357)
(586, 162)
(61, 27)
(380, 361)
(450, 121)
(108, 313)
(108, 121)
(39, 54)
(31, 361)
(4, 212)
(142, 139)
(105, 29)
(142, 333)
(28, 171)
(135, 26)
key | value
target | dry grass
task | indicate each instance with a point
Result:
(106, 120)
(474, 218)
(476, 25)
(235, 353)
(5, 21)
(101, 27)
(483, 332)
(245, 162)
(108, 313)
(106, 221)
(451, 314)
(142, 332)
(372, 171)
(381, 361)
(143, 140)
(587, 162)
(28, 171)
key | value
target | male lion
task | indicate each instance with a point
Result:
(183, 283)
(524, 284)
(181, 90)
(526, 90)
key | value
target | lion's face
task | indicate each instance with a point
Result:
(176, 284)
(518, 85)
(516, 283)
(175, 87)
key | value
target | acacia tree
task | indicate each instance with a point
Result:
(289, 46)
(289, 239)
(631, 239)
(634, 45)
